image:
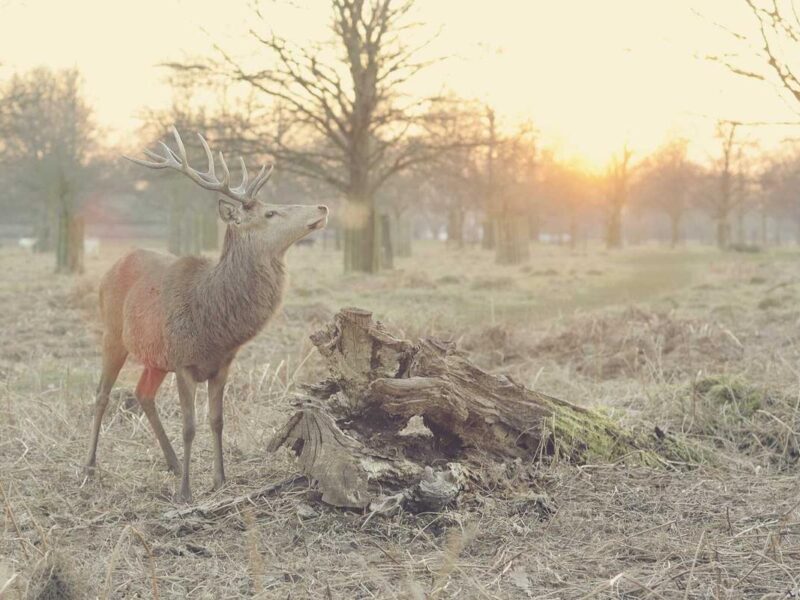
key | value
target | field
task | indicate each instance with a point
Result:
(694, 341)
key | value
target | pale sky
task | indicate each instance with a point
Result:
(589, 74)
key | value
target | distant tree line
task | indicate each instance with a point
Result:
(339, 120)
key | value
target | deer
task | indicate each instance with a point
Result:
(191, 315)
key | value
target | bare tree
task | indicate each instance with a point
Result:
(779, 199)
(769, 52)
(723, 201)
(343, 118)
(667, 183)
(456, 176)
(617, 182)
(568, 189)
(514, 182)
(48, 134)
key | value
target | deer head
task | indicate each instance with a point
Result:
(275, 226)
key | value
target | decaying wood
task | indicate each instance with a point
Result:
(354, 437)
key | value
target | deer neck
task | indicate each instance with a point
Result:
(245, 287)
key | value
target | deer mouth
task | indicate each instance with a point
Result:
(318, 223)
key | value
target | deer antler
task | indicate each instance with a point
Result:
(245, 192)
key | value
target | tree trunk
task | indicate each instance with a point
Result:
(337, 236)
(534, 223)
(46, 231)
(723, 232)
(740, 234)
(186, 229)
(455, 227)
(362, 239)
(69, 247)
(391, 408)
(675, 230)
(513, 240)
(387, 241)
(614, 229)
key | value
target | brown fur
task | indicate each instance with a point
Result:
(190, 316)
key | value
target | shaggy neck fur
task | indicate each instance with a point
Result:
(243, 290)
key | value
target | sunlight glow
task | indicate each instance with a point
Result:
(590, 75)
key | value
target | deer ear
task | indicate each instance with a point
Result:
(230, 212)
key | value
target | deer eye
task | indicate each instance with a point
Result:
(271, 213)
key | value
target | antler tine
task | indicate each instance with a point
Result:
(258, 182)
(242, 187)
(226, 174)
(251, 189)
(209, 157)
(181, 147)
(170, 156)
(147, 163)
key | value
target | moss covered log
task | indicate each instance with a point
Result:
(352, 432)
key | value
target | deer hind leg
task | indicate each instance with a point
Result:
(216, 391)
(146, 390)
(114, 355)
(187, 387)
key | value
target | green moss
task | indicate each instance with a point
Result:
(721, 392)
(583, 436)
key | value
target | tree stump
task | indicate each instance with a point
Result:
(403, 424)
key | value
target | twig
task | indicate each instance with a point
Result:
(217, 508)
(694, 562)
(152, 561)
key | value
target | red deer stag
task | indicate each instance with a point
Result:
(191, 315)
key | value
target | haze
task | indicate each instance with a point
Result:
(589, 75)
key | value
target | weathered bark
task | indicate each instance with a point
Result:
(362, 239)
(69, 248)
(391, 408)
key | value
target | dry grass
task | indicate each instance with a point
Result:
(692, 341)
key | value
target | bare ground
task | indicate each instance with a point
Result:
(692, 341)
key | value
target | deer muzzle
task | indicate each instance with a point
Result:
(320, 221)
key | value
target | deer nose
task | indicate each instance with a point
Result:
(323, 209)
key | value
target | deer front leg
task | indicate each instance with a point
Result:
(113, 358)
(216, 391)
(186, 391)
